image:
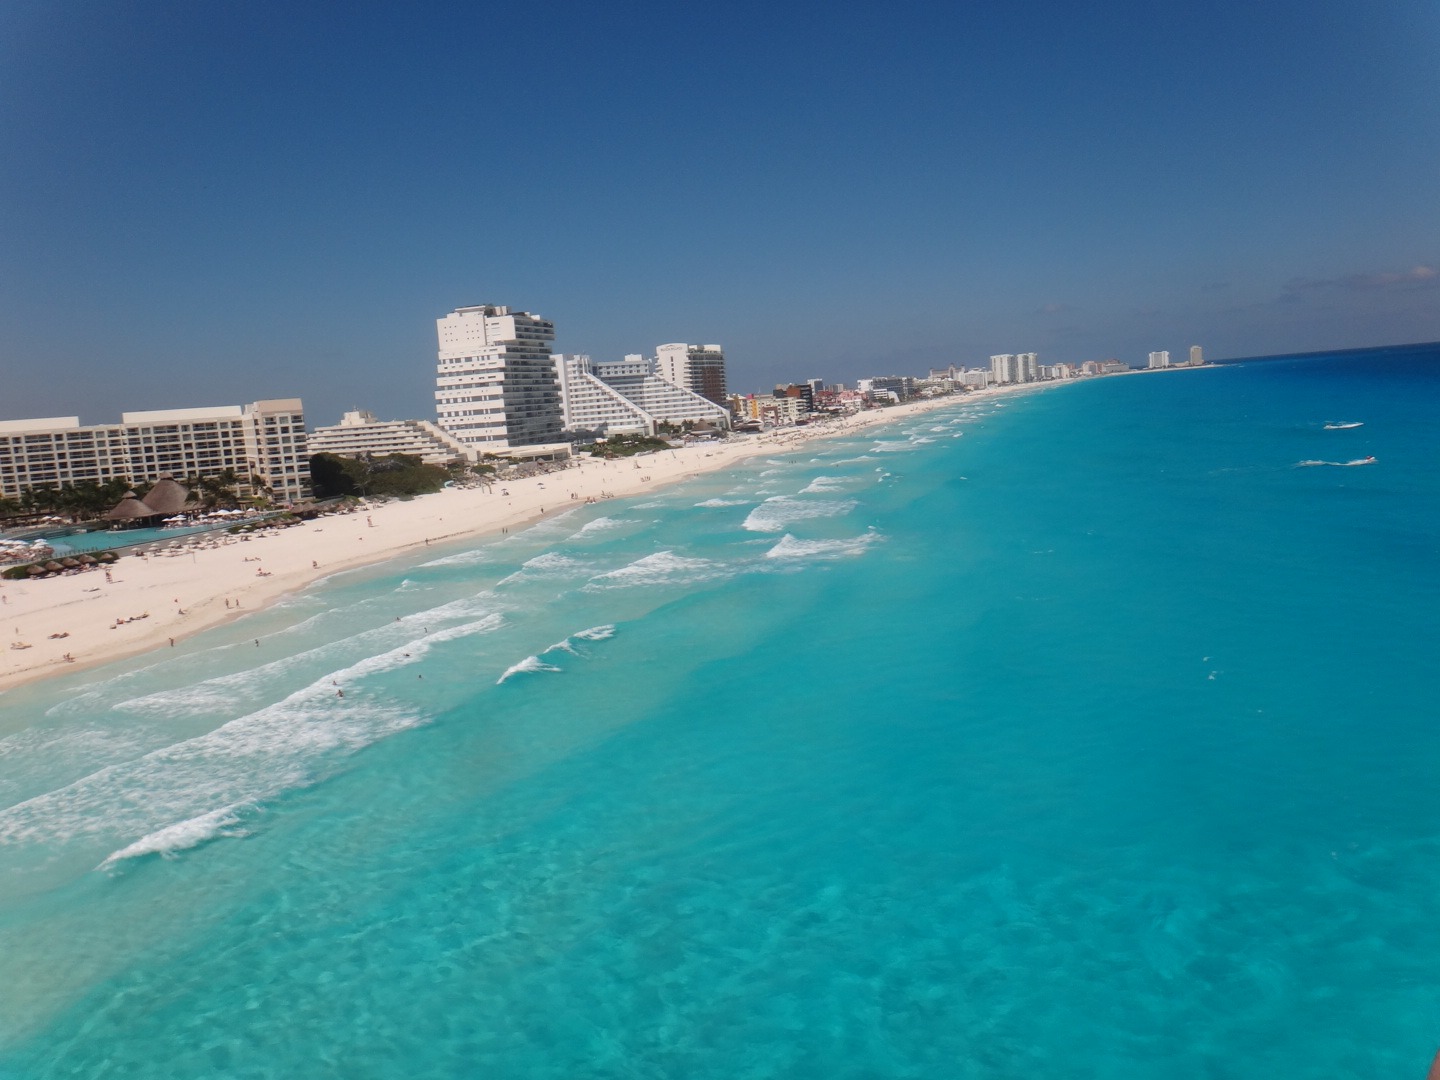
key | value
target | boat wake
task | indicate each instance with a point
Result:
(1344, 425)
(1338, 464)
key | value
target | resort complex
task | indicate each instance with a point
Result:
(500, 392)
(262, 444)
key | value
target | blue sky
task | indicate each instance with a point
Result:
(206, 203)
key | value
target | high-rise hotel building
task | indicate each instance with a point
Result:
(697, 368)
(495, 385)
(263, 442)
(1006, 368)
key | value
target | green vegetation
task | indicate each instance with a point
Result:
(83, 499)
(390, 474)
(626, 445)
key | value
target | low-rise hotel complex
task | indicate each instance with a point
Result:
(264, 443)
(359, 433)
(629, 396)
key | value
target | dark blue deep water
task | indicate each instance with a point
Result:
(1080, 733)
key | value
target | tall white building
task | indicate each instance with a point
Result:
(627, 396)
(495, 384)
(1197, 356)
(263, 442)
(1027, 365)
(1003, 369)
(1160, 359)
(697, 368)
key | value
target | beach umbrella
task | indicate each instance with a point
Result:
(70, 562)
(106, 556)
(52, 565)
(35, 571)
(88, 560)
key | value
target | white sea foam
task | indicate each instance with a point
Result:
(596, 633)
(229, 693)
(462, 558)
(550, 564)
(892, 446)
(854, 460)
(181, 836)
(599, 525)
(661, 568)
(777, 513)
(708, 503)
(292, 743)
(822, 485)
(789, 547)
(530, 664)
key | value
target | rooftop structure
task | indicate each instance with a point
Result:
(263, 442)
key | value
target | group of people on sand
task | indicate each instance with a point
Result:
(132, 618)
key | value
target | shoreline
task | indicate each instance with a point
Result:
(173, 598)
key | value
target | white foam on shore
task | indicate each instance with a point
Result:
(181, 836)
(661, 568)
(711, 503)
(530, 665)
(779, 512)
(790, 548)
(893, 447)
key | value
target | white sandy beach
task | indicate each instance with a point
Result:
(183, 595)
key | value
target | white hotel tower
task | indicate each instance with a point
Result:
(495, 384)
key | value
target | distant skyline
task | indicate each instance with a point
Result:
(209, 203)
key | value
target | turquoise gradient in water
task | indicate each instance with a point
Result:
(1083, 733)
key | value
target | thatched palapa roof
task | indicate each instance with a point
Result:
(166, 497)
(129, 509)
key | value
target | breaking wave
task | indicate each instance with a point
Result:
(661, 568)
(776, 513)
(182, 836)
(528, 665)
(823, 485)
(789, 547)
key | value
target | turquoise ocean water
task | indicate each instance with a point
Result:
(1080, 734)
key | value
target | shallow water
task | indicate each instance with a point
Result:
(1085, 736)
